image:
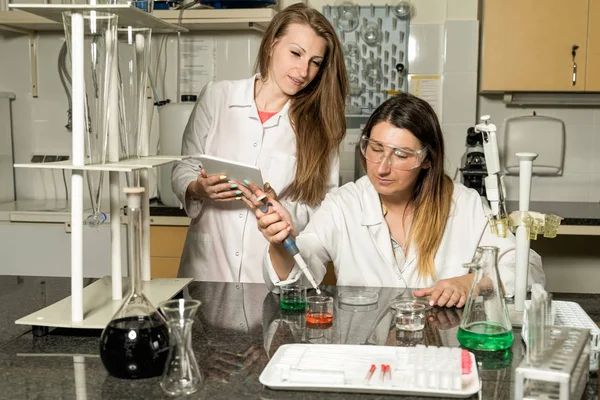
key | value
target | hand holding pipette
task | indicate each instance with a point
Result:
(290, 245)
(262, 203)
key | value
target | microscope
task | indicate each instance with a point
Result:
(473, 165)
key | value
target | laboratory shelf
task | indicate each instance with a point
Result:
(26, 18)
(128, 15)
(98, 305)
(211, 19)
(128, 165)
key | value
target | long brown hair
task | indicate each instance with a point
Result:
(317, 111)
(432, 195)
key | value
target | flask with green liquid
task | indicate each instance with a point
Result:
(485, 321)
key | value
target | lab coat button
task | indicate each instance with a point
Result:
(237, 253)
(241, 215)
(254, 144)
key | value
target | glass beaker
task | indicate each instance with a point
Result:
(182, 375)
(293, 298)
(485, 323)
(135, 343)
(320, 312)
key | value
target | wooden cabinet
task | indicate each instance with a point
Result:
(166, 245)
(592, 80)
(527, 45)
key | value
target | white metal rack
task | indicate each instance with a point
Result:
(94, 306)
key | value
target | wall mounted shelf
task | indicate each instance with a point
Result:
(18, 19)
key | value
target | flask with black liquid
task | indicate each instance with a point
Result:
(135, 343)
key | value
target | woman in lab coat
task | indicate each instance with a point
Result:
(288, 120)
(403, 224)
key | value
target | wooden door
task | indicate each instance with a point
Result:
(592, 79)
(527, 45)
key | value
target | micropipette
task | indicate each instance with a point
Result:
(290, 246)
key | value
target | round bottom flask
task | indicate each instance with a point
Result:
(135, 343)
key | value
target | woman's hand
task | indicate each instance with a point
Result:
(276, 222)
(448, 292)
(213, 187)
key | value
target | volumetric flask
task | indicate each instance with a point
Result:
(485, 323)
(372, 72)
(352, 53)
(181, 376)
(135, 343)
(401, 9)
(347, 16)
(371, 33)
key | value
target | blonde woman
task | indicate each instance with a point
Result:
(288, 120)
(404, 224)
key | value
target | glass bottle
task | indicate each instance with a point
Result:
(485, 323)
(135, 343)
(181, 375)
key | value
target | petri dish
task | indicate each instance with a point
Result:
(358, 297)
(358, 309)
(416, 305)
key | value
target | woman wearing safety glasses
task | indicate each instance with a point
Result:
(404, 224)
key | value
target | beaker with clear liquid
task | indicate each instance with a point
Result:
(135, 343)
(485, 323)
(181, 375)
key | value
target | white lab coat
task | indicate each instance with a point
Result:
(349, 229)
(223, 242)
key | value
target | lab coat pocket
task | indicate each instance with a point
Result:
(282, 169)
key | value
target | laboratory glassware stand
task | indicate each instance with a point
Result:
(526, 224)
(94, 306)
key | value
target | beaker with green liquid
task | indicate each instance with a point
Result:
(485, 323)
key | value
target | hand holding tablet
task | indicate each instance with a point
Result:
(233, 170)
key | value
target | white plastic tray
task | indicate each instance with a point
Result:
(342, 368)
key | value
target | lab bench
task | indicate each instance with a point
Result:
(233, 318)
(580, 218)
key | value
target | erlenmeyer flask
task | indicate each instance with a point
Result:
(181, 375)
(135, 342)
(485, 323)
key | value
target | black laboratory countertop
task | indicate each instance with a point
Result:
(233, 318)
(574, 213)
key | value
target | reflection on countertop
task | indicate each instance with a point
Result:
(238, 328)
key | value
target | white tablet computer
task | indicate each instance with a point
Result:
(232, 169)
